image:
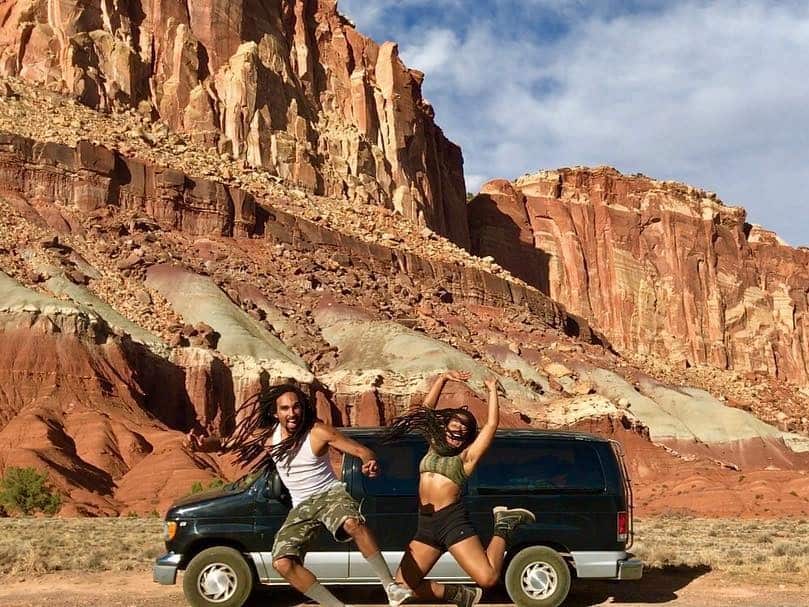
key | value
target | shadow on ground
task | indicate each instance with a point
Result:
(655, 587)
(658, 586)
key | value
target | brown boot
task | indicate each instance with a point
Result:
(507, 519)
(462, 596)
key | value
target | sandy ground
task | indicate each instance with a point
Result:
(681, 588)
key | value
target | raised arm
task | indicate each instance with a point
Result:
(481, 444)
(332, 437)
(432, 396)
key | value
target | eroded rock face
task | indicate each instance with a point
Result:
(127, 418)
(289, 85)
(661, 268)
(77, 404)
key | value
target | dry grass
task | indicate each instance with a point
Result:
(31, 546)
(763, 550)
(766, 551)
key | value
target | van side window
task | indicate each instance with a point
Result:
(534, 467)
(399, 464)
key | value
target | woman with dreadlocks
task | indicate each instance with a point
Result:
(456, 447)
(279, 428)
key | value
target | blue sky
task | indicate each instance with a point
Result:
(714, 94)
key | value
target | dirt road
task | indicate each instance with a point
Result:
(681, 588)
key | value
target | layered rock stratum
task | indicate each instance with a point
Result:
(148, 291)
(288, 85)
(659, 267)
(197, 202)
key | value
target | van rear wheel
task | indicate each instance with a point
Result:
(218, 577)
(538, 577)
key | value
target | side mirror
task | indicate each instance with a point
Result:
(276, 486)
(275, 489)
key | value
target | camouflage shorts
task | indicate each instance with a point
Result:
(330, 509)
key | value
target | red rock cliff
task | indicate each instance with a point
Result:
(289, 85)
(660, 267)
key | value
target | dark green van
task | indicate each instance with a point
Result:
(575, 483)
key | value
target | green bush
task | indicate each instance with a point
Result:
(26, 490)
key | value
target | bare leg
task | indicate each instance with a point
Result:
(482, 566)
(416, 563)
(362, 536)
(295, 573)
(370, 550)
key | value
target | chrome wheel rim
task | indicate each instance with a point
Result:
(539, 580)
(217, 582)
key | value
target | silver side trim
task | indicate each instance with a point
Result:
(597, 564)
(446, 568)
(328, 567)
(261, 568)
(351, 568)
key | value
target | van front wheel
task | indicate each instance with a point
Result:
(538, 577)
(218, 577)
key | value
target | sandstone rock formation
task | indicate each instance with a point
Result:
(374, 329)
(157, 284)
(288, 85)
(78, 404)
(661, 268)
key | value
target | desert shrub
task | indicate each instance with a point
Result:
(26, 490)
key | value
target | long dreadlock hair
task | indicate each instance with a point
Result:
(432, 425)
(257, 423)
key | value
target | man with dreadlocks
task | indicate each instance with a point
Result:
(456, 447)
(280, 427)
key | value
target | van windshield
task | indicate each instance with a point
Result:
(546, 467)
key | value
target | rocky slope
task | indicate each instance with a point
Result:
(144, 301)
(288, 85)
(198, 201)
(661, 268)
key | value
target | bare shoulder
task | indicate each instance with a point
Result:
(322, 430)
(325, 432)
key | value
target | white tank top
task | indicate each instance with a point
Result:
(303, 473)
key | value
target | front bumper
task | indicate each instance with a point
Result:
(165, 568)
(630, 569)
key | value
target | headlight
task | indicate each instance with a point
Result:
(169, 530)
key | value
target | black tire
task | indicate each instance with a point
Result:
(218, 577)
(538, 577)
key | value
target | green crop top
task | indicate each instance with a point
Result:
(450, 466)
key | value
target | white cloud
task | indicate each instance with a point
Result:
(435, 54)
(368, 13)
(365, 15)
(712, 94)
(474, 181)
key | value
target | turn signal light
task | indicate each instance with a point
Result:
(169, 530)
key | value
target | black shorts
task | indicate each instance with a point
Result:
(445, 527)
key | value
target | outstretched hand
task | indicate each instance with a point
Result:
(371, 468)
(493, 384)
(458, 375)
